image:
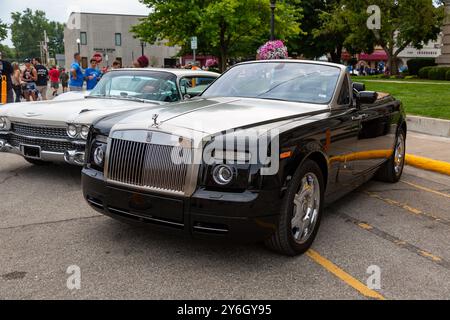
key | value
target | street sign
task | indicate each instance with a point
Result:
(194, 43)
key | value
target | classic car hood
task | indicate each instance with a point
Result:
(219, 114)
(79, 110)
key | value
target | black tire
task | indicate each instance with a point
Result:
(282, 241)
(37, 162)
(387, 172)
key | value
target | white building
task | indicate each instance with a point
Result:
(110, 36)
(431, 50)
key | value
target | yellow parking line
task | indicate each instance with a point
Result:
(426, 189)
(344, 276)
(428, 164)
(408, 208)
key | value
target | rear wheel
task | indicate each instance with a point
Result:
(392, 170)
(301, 212)
(37, 162)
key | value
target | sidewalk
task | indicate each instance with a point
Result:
(437, 148)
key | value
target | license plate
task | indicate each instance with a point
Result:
(31, 151)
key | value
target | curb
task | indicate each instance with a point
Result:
(428, 164)
(432, 126)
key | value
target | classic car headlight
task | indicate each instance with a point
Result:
(3, 123)
(72, 131)
(78, 131)
(223, 174)
(84, 132)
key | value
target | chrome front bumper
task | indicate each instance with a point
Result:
(73, 157)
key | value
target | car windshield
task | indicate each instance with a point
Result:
(138, 85)
(289, 81)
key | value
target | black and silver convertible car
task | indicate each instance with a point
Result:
(256, 157)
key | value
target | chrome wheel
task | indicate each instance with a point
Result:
(306, 208)
(399, 156)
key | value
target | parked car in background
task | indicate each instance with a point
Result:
(255, 157)
(54, 131)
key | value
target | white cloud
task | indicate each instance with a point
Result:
(59, 10)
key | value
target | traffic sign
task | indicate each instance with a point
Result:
(194, 43)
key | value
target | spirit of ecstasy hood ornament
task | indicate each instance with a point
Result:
(155, 120)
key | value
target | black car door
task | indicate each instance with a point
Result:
(342, 143)
(376, 135)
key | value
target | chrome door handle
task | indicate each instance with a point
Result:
(360, 117)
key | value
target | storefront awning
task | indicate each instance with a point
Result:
(378, 55)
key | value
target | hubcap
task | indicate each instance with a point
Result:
(306, 208)
(399, 157)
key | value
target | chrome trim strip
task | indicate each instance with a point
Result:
(112, 210)
(49, 139)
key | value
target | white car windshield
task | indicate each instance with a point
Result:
(299, 82)
(138, 85)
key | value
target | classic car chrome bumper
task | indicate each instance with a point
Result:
(74, 157)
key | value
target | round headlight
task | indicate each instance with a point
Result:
(72, 131)
(223, 174)
(99, 155)
(3, 123)
(84, 132)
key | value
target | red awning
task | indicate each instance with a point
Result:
(378, 55)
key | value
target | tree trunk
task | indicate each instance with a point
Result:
(223, 47)
(392, 61)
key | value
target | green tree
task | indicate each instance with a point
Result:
(7, 52)
(225, 28)
(27, 31)
(3, 30)
(403, 23)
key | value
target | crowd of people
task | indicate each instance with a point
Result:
(30, 82)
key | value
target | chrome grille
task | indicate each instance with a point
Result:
(46, 145)
(39, 131)
(147, 165)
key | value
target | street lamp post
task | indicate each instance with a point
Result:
(142, 47)
(272, 19)
(78, 43)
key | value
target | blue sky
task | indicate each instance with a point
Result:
(59, 10)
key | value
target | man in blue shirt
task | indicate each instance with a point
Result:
(76, 74)
(92, 75)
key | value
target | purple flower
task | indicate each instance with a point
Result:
(273, 50)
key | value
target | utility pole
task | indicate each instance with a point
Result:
(272, 19)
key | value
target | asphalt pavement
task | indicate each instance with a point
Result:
(402, 230)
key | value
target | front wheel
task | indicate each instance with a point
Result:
(301, 211)
(392, 170)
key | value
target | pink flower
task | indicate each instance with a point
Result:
(273, 50)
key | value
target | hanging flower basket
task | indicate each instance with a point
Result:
(273, 50)
(211, 63)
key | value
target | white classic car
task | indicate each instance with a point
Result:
(56, 131)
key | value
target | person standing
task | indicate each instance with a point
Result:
(76, 74)
(141, 62)
(64, 77)
(92, 75)
(17, 85)
(42, 78)
(29, 78)
(6, 72)
(54, 80)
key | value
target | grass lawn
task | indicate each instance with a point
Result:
(427, 99)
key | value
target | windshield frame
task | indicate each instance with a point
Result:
(333, 97)
(143, 73)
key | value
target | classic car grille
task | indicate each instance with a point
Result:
(46, 145)
(39, 131)
(147, 165)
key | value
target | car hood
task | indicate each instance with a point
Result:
(212, 116)
(60, 112)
